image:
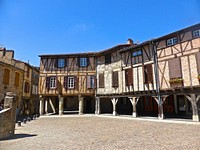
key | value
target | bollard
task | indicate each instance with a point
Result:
(24, 121)
(28, 119)
(19, 123)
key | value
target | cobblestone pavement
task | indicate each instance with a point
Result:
(101, 133)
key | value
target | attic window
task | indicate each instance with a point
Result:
(196, 33)
(172, 41)
(107, 58)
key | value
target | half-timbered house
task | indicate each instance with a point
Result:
(109, 79)
(67, 83)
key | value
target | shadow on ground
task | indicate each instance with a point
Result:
(21, 136)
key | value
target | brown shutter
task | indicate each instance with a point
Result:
(130, 76)
(65, 62)
(66, 82)
(88, 61)
(76, 83)
(175, 68)
(115, 81)
(149, 73)
(88, 82)
(198, 62)
(78, 61)
(47, 82)
(56, 63)
(101, 80)
(95, 82)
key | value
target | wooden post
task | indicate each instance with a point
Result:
(160, 105)
(195, 112)
(80, 104)
(41, 106)
(46, 106)
(51, 104)
(175, 104)
(134, 101)
(60, 105)
(114, 102)
(97, 106)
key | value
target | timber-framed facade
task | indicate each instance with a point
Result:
(159, 77)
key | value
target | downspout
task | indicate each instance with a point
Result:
(155, 59)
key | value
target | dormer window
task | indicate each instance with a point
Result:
(61, 62)
(107, 58)
(196, 33)
(172, 41)
(83, 62)
(137, 53)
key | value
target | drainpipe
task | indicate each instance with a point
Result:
(155, 59)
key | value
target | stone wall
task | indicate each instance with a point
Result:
(8, 117)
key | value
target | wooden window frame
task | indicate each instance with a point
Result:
(83, 62)
(91, 82)
(196, 33)
(107, 59)
(52, 82)
(172, 41)
(61, 63)
(70, 82)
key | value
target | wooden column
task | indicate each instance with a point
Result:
(80, 105)
(60, 105)
(114, 102)
(195, 111)
(134, 101)
(160, 105)
(41, 106)
(51, 104)
(175, 104)
(46, 106)
(97, 106)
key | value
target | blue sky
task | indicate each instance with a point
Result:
(34, 27)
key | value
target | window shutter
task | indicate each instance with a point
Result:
(129, 76)
(76, 83)
(88, 61)
(198, 62)
(95, 82)
(56, 63)
(174, 68)
(115, 81)
(149, 73)
(56, 82)
(66, 82)
(65, 62)
(101, 80)
(88, 82)
(47, 82)
(78, 60)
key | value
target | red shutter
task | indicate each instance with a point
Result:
(149, 73)
(175, 68)
(88, 82)
(66, 82)
(76, 83)
(198, 62)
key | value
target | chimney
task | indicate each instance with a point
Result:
(129, 41)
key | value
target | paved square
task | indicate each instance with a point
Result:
(99, 133)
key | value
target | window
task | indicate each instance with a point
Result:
(172, 41)
(83, 62)
(174, 68)
(27, 87)
(91, 82)
(115, 80)
(107, 58)
(51, 82)
(61, 62)
(101, 80)
(28, 72)
(6, 76)
(196, 33)
(17, 77)
(137, 53)
(148, 73)
(71, 82)
(129, 77)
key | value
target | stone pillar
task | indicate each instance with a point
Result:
(10, 102)
(80, 99)
(134, 101)
(114, 102)
(46, 106)
(97, 106)
(60, 105)
(175, 104)
(41, 106)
